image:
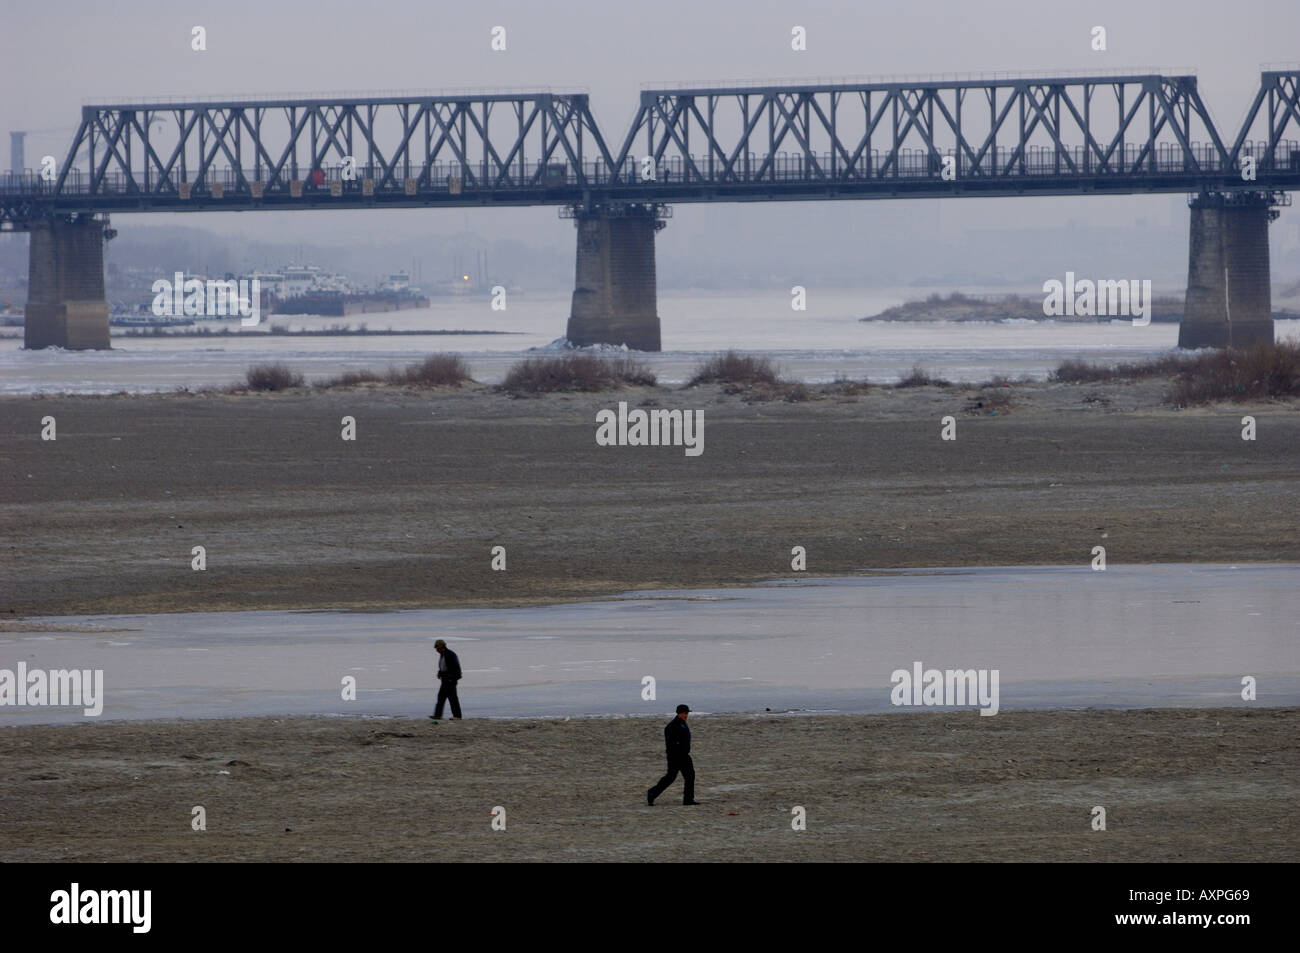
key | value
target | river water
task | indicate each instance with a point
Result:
(817, 345)
(1126, 637)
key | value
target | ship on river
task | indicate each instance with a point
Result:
(322, 297)
(337, 304)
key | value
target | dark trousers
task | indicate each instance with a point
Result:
(447, 693)
(686, 766)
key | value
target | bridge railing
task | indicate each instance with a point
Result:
(788, 168)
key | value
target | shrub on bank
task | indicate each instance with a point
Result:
(794, 392)
(1264, 370)
(845, 387)
(575, 373)
(919, 377)
(436, 370)
(734, 368)
(1081, 372)
(995, 397)
(272, 377)
(349, 379)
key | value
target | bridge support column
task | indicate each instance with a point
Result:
(614, 292)
(66, 306)
(1229, 302)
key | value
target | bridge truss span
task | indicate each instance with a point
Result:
(206, 155)
(927, 139)
(1114, 133)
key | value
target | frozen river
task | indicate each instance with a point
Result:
(816, 346)
(1131, 636)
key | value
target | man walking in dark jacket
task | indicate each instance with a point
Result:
(677, 739)
(448, 676)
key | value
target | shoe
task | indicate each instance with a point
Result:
(649, 797)
(690, 803)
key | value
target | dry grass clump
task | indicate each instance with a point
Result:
(575, 373)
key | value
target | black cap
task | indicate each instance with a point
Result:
(682, 708)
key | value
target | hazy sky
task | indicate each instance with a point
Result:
(56, 55)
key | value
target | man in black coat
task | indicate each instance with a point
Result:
(677, 739)
(448, 676)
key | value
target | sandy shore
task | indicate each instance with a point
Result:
(104, 519)
(1209, 785)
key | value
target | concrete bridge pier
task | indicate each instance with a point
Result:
(66, 306)
(1229, 301)
(614, 291)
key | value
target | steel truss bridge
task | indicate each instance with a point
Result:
(1006, 137)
